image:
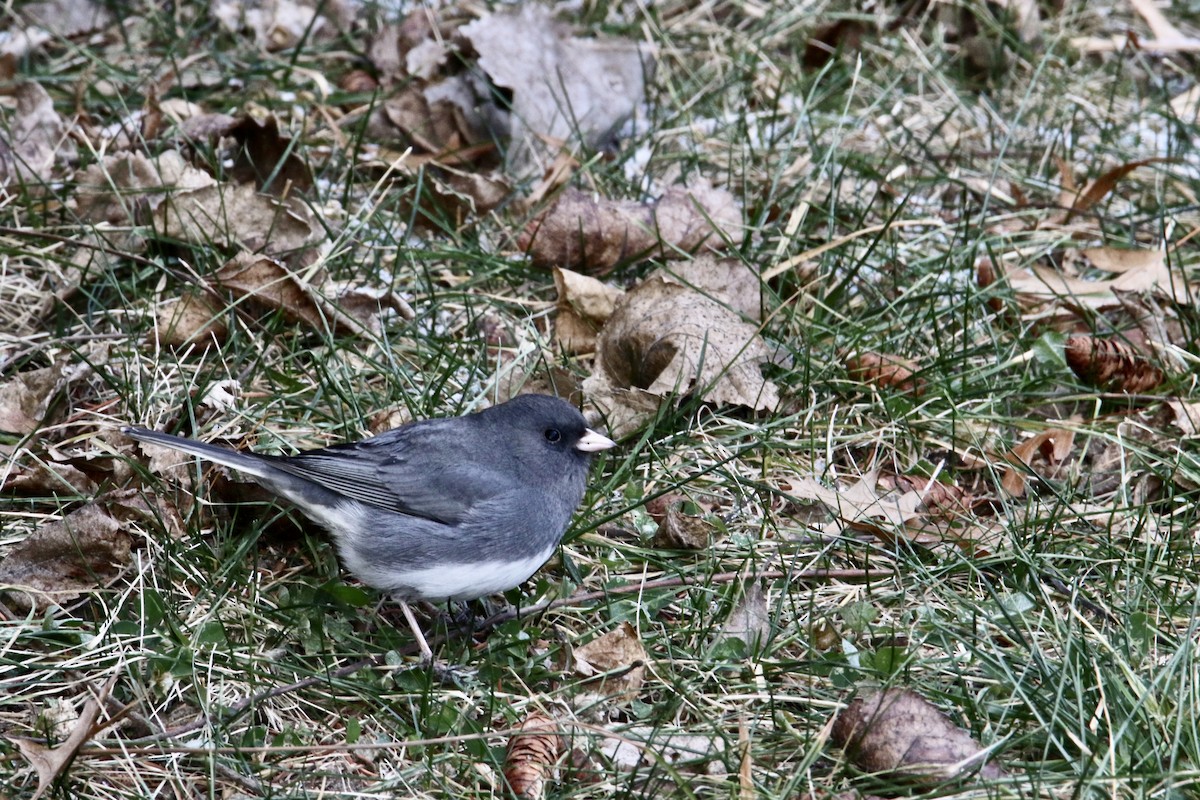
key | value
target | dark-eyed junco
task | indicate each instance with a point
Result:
(441, 509)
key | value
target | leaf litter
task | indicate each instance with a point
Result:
(691, 329)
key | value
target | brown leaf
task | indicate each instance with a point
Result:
(665, 340)
(276, 287)
(1041, 454)
(531, 755)
(886, 371)
(595, 234)
(267, 158)
(584, 305)
(1185, 416)
(1098, 189)
(729, 281)
(50, 762)
(843, 34)
(190, 319)
(66, 19)
(617, 659)
(27, 397)
(861, 501)
(187, 204)
(62, 560)
(1135, 271)
(36, 139)
(1111, 365)
(681, 531)
(562, 88)
(750, 620)
(898, 731)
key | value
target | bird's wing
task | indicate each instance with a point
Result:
(423, 473)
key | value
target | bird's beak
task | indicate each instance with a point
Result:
(592, 442)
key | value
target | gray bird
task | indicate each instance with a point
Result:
(440, 509)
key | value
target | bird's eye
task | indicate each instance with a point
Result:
(553, 436)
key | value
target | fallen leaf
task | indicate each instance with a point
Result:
(595, 234)
(275, 286)
(190, 319)
(844, 35)
(48, 478)
(1186, 415)
(861, 501)
(531, 754)
(640, 747)
(584, 305)
(276, 25)
(63, 559)
(886, 371)
(1049, 449)
(1097, 190)
(1135, 271)
(750, 620)
(267, 158)
(26, 397)
(187, 204)
(50, 762)
(896, 731)
(730, 281)
(562, 87)
(679, 530)
(36, 139)
(66, 19)
(664, 340)
(617, 659)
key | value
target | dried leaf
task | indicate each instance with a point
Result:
(277, 25)
(664, 339)
(750, 620)
(1053, 446)
(276, 287)
(26, 397)
(187, 204)
(862, 501)
(66, 19)
(681, 531)
(1186, 416)
(729, 281)
(49, 762)
(843, 35)
(1136, 271)
(617, 658)
(266, 158)
(62, 560)
(898, 731)
(562, 87)
(584, 305)
(595, 234)
(886, 371)
(190, 319)
(1111, 365)
(531, 755)
(640, 747)
(36, 139)
(1098, 189)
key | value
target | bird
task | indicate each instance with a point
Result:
(453, 508)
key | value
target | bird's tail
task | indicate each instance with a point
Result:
(249, 463)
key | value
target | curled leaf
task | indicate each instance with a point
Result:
(898, 731)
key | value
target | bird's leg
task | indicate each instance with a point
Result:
(426, 653)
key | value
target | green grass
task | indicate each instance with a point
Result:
(245, 662)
